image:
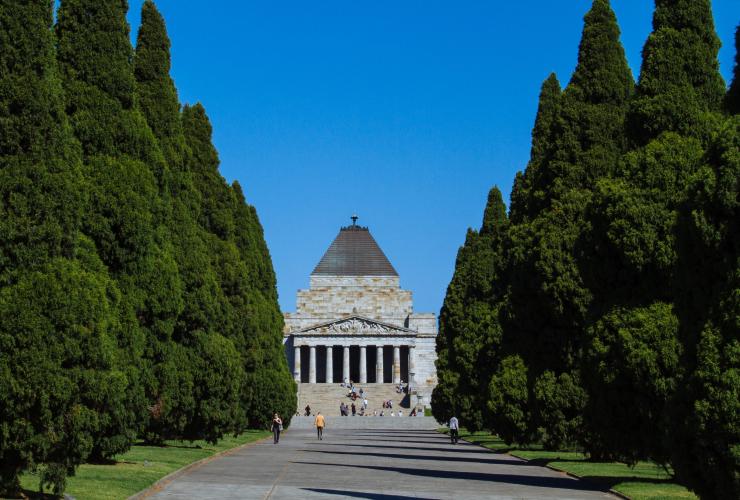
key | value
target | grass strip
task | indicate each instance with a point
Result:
(138, 468)
(644, 481)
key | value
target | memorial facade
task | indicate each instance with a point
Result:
(356, 323)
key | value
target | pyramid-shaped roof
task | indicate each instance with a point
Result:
(354, 252)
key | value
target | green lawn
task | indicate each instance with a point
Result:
(644, 481)
(139, 468)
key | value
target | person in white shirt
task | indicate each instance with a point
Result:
(400, 413)
(454, 427)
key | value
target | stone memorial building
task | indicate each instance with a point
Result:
(356, 323)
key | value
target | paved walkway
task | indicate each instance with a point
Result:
(372, 464)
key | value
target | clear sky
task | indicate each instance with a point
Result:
(405, 112)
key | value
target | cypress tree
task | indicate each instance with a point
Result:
(216, 372)
(269, 385)
(252, 318)
(508, 411)
(527, 197)
(155, 90)
(64, 382)
(470, 332)
(635, 349)
(129, 206)
(704, 412)
(732, 99)
(680, 86)
(40, 160)
(549, 299)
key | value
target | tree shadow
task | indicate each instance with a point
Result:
(476, 460)
(400, 431)
(397, 440)
(559, 482)
(363, 494)
(464, 449)
(500, 451)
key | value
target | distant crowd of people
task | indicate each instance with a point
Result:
(359, 403)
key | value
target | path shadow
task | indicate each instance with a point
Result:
(389, 433)
(566, 483)
(363, 494)
(396, 430)
(458, 449)
(374, 440)
(492, 461)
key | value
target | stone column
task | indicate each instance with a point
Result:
(363, 364)
(379, 365)
(312, 366)
(297, 364)
(345, 364)
(329, 364)
(412, 367)
(396, 364)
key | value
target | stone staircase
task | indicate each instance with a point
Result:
(361, 423)
(325, 398)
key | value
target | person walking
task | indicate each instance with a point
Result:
(277, 426)
(454, 427)
(354, 409)
(319, 423)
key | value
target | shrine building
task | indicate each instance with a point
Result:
(356, 323)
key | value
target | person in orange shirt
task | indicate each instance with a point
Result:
(319, 423)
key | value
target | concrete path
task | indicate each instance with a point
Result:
(372, 464)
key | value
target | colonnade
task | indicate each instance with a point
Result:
(379, 375)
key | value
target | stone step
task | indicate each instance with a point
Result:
(336, 422)
(326, 398)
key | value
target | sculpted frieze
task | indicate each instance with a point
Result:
(358, 326)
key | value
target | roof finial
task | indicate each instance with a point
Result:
(354, 219)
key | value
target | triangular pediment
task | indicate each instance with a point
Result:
(355, 325)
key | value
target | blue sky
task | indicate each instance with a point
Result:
(403, 112)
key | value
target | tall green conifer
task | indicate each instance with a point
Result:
(527, 197)
(705, 411)
(244, 269)
(635, 356)
(508, 407)
(470, 332)
(64, 384)
(129, 204)
(213, 361)
(269, 384)
(40, 160)
(155, 89)
(732, 99)
(549, 299)
(705, 421)
(680, 85)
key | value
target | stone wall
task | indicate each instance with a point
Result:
(379, 298)
(331, 297)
